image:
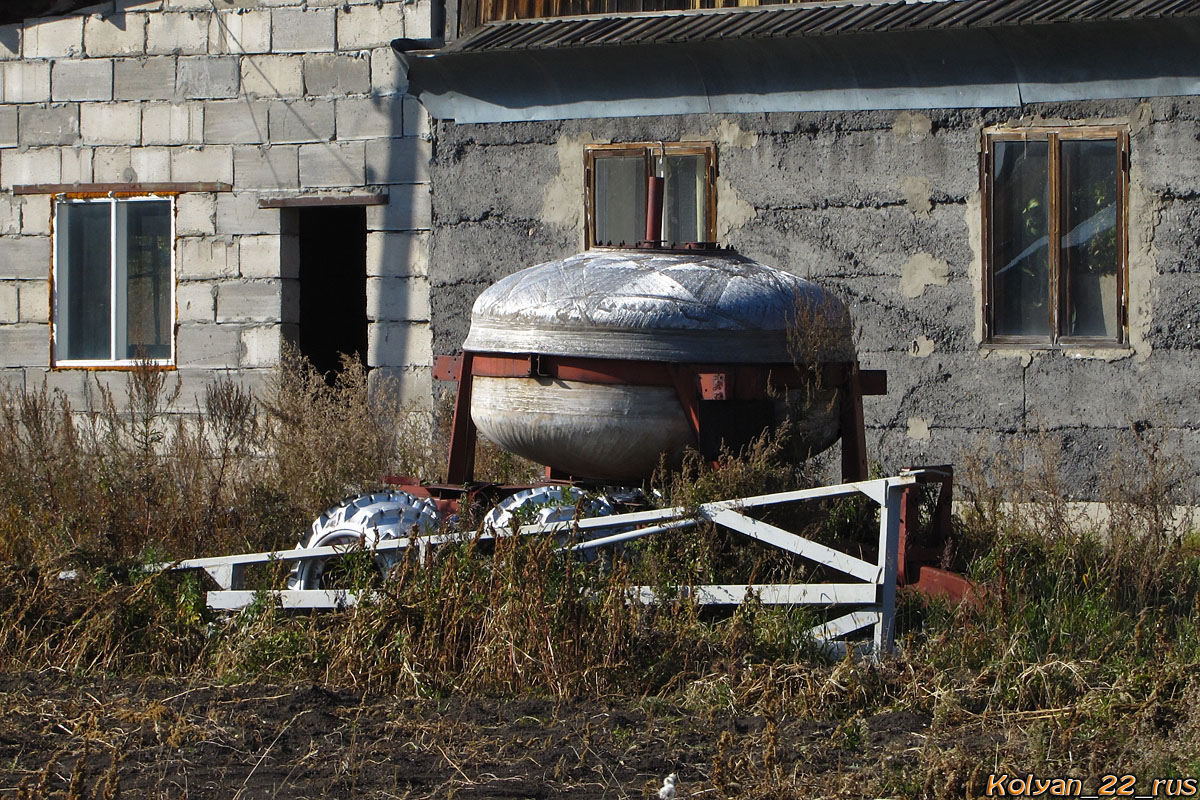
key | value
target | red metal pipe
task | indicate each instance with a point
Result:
(460, 467)
(654, 210)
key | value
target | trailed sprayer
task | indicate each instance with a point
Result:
(604, 365)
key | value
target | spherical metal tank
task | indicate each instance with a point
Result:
(706, 307)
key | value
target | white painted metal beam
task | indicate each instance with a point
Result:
(849, 623)
(875, 489)
(246, 559)
(769, 593)
(872, 488)
(285, 598)
(626, 536)
(785, 540)
(889, 545)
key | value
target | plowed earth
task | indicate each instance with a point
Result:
(160, 739)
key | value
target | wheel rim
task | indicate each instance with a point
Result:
(364, 520)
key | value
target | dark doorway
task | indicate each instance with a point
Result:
(333, 285)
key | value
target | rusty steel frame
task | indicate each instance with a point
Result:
(692, 383)
(924, 568)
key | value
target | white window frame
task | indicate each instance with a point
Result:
(118, 267)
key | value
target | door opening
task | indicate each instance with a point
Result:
(332, 249)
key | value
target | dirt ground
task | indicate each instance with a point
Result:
(170, 739)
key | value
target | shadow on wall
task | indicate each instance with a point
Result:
(18, 10)
(354, 266)
(397, 344)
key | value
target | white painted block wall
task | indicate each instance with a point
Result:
(273, 97)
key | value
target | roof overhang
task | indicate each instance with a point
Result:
(21, 10)
(984, 67)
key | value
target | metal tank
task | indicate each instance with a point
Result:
(599, 364)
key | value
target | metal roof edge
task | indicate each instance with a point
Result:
(697, 12)
(797, 19)
(961, 68)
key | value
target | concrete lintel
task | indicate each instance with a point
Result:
(122, 188)
(308, 200)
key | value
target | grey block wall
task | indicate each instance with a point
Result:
(884, 208)
(278, 97)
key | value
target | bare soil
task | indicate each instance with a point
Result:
(161, 738)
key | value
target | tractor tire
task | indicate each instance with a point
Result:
(362, 522)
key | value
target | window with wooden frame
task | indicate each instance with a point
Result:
(114, 281)
(615, 180)
(1054, 204)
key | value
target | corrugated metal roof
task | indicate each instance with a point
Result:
(805, 19)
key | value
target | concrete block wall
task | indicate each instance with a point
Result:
(884, 207)
(274, 97)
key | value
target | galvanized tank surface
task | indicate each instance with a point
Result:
(707, 307)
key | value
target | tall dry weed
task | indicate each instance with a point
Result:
(131, 479)
(108, 482)
(1076, 598)
(1087, 636)
(328, 441)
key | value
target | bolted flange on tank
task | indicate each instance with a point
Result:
(683, 310)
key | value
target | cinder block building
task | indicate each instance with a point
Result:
(194, 182)
(1005, 191)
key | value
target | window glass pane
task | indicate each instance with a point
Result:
(82, 307)
(1089, 238)
(147, 249)
(620, 200)
(1020, 254)
(685, 203)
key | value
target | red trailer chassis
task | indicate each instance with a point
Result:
(923, 554)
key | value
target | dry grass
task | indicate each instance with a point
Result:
(102, 485)
(1082, 659)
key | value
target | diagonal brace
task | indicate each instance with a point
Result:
(786, 540)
